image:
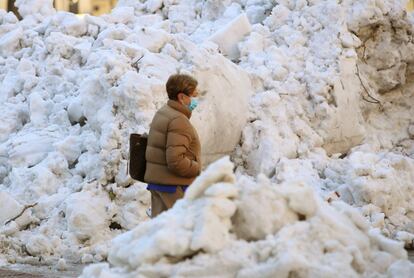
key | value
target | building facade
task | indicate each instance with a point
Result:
(95, 7)
(410, 5)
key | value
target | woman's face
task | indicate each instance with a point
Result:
(186, 100)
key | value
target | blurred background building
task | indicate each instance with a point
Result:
(95, 7)
(410, 5)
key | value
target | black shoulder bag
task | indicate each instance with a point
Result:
(137, 161)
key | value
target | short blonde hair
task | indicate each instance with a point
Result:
(180, 83)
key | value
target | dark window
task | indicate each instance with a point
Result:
(12, 8)
(74, 6)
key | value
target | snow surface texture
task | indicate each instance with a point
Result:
(72, 92)
(329, 117)
(246, 228)
(321, 93)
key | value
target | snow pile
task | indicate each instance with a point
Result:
(198, 224)
(72, 90)
(381, 184)
(307, 71)
(246, 228)
(323, 92)
(319, 71)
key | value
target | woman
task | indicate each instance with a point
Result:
(173, 150)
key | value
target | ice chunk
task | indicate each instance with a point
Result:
(39, 245)
(29, 7)
(9, 207)
(219, 79)
(10, 42)
(229, 36)
(86, 215)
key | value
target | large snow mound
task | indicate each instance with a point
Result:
(244, 228)
(317, 95)
(72, 90)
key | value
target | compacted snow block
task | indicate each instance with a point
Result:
(229, 36)
(345, 123)
(224, 91)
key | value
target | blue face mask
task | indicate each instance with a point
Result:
(193, 104)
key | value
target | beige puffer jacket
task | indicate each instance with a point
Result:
(173, 150)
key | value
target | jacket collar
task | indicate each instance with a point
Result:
(179, 107)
